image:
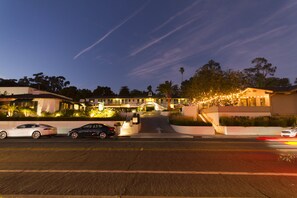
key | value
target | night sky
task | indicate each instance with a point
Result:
(140, 42)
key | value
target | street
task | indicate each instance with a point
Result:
(154, 167)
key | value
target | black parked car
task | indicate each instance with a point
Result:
(93, 130)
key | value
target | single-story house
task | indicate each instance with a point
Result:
(284, 101)
(37, 100)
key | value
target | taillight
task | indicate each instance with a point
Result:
(111, 128)
(47, 128)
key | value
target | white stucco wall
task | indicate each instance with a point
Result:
(64, 126)
(194, 130)
(191, 111)
(50, 105)
(238, 130)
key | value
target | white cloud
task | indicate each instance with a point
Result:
(110, 31)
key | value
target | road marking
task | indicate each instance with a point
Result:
(137, 149)
(156, 172)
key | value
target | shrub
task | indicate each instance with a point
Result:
(258, 121)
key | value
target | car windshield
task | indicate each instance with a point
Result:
(45, 125)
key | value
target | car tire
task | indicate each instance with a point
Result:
(74, 135)
(3, 135)
(102, 135)
(36, 135)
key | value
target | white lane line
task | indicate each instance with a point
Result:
(156, 172)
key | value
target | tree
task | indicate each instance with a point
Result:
(24, 81)
(295, 81)
(182, 70)
(167, 89)
(8, 82)
(277, 82)
(137, 93)
(210, 81)
(11, 109)
(103, 92)
(257, 76)
(124, 91)
(71, 92)
(56, 83)
(40, 81)
(207, 80)
(84, 93)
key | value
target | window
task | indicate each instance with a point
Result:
(88, 126)
(262, 101)
(21, 126)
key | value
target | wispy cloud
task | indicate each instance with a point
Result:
(111, 31)
(283, 11)
(266, 35)
(155, 41)
(176, 15)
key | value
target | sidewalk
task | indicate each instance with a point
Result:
(160, 135)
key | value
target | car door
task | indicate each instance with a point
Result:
(21, 131)
(86, 130)
(96, 129)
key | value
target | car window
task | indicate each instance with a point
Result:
(88, 126)
(45, 125)
(21, 126)
(30, 126)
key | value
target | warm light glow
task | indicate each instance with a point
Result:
(291, 143)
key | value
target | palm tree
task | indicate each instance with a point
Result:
(167, 89)
(182, 70)
(10, 109)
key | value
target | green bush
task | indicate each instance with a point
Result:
(178, 119)
(258, 121)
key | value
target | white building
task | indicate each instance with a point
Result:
(37, 100)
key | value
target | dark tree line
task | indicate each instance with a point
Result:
(208, 81)
(59, 85)
(211, 80)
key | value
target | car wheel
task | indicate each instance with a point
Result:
(102, 135)
(74, 135)
(3, 135)
(36, 135)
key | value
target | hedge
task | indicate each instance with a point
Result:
(258, 121)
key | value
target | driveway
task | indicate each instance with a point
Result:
(153, 122)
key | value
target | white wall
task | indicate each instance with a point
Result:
(194, 130)
(47, 105)
(63, 127)
(237, 130)
(191, 111)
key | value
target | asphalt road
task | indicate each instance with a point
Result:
(152, 122)
(124, 167)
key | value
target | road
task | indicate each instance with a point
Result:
(152, 122)
(154, 167)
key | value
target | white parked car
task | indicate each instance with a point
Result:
(29, 130)
(289, 132)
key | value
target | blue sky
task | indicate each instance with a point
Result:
(143, 42)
